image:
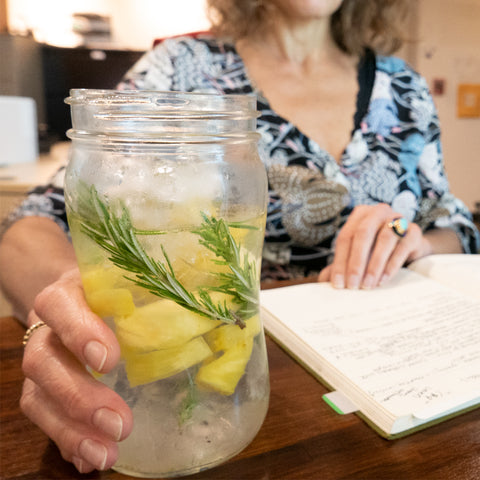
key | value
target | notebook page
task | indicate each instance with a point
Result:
(411, 345)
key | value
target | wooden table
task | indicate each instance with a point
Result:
(302, 438)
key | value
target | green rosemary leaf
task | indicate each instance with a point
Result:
(189, 402)
(117, 236)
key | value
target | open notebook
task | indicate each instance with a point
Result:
(403, 356)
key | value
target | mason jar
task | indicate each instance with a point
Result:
(166, 201)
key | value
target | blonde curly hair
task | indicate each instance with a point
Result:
(356, 25)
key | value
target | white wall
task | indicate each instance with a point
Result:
(50, 20)
(449, 49)
(156, 18)
(135, 23)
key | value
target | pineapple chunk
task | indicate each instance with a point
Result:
(159, 325)
(227, 336)
(108, 276)
(224, 373)
(111, 302)
(148, 367)
(99, 279)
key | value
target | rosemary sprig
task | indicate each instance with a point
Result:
(189, 402)
(240, 282)
(116, 235)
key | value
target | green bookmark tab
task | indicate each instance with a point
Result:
(339, 403)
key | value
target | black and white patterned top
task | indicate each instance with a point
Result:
(394, 155)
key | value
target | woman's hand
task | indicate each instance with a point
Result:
(81, 415)
(368, 252)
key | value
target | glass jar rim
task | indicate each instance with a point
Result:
(160, 103)
(162, 116)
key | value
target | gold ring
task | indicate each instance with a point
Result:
(31, 329)
(399, 226)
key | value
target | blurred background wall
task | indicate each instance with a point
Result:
(448, 55)
(134, 23)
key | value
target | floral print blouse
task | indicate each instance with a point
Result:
(394, 155)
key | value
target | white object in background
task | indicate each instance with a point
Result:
(18, 130)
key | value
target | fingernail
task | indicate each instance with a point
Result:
(338, 281)
(78, 462)
(384, 279)
(94, 453)
(109, 422)
(95, 354)
(353, 282)
(367, 283)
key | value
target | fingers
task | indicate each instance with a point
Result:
(63, 308)
(355, 243)
(324, 275)
(79, 396)
(77, 443)
(389, 254)
(367, 251)
(81, 415)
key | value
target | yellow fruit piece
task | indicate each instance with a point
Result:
(224, 373)
(239, 235)
(159, 325)
(227, 336)
(99, 279)
(149, 367)
(248, 238)
(107, 276)
(103, 278)
(111, 302)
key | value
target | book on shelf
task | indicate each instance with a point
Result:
(403, 356)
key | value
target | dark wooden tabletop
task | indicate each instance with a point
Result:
(301, 438)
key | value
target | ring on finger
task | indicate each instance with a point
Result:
(31, 329)
(399, 226)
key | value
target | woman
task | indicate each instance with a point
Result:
(313, 67)
(364, 126)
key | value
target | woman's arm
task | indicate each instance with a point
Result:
(442, 240)
(34, 252)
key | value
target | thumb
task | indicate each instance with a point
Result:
(62, 306)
